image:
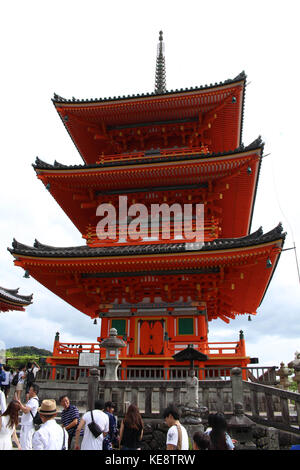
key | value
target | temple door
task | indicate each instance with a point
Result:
(151, 337)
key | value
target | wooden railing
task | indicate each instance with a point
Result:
(168, 233)
(68, 373)
(262, 403)
(272, 406)
(73, 349)
(201, 151)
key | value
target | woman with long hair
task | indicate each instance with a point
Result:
(219, 438)
(8, 423)
(131, 430)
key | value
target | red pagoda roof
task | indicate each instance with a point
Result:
(108, 126)
(11, 300)
(232, 273)
(233, 177)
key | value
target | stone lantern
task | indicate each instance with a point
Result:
(241, 429)
(112, 344)
(295, 364)
(283, 374)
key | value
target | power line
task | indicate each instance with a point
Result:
(290, 226)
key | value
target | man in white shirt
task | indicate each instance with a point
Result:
(177, 437)
(50, 435)
(2, 402)
(89, 441)
(29, 411)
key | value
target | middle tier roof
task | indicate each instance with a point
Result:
(225, 183)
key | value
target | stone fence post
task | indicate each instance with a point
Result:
(237, 387)
(93, 383)
(283, 374)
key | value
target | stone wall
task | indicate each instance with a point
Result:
(268, 438)
(264, 438)
(77, 392)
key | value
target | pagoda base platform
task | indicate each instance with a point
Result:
(165, 367)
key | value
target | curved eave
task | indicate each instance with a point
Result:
(41, 166)
(58, 100)
(12, 297)
(241, 264)
(217, 247)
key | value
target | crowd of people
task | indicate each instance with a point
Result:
(97, 429)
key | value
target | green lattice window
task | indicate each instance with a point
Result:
(185, 326)
(120, 326)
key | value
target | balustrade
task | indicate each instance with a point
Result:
(153, 389)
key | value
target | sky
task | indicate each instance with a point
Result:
(97, 49)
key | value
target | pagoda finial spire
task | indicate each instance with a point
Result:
(160, 71)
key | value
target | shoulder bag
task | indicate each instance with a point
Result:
(179, 442)
(94, 428)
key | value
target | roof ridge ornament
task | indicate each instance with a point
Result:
(160, 71)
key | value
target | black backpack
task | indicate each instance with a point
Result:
(36, 419)
(30, 376)
(15, 379)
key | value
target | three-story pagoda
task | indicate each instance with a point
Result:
(166, 147)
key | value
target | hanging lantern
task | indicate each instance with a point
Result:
(95, 322)
(249, 318)
(26, 275)
(269, 263)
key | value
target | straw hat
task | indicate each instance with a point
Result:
(48, 408)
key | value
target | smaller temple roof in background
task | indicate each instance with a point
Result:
(10, 299)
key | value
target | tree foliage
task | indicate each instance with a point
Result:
(28, 351)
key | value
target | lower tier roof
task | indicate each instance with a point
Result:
(230, 276)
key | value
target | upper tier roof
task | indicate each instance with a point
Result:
(57, 99)
(109, 125)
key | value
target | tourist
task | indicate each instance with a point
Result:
(5, 386)
(177, 437)
(201, 441)
(8, 423)
(32, 370)
(21, 375)
(131, 430)
(29, 411)
(219, 438)
(89, 441)
(50, 436)
(2, 402)
(111, 439)
(2, 376)
(70, 418)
